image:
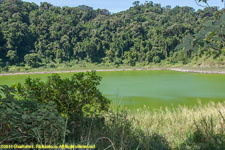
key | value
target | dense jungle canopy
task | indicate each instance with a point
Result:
(145, 33)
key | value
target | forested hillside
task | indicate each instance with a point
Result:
(146, 33)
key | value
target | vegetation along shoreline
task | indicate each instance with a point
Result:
(109, 70)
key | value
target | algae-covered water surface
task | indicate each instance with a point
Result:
(154, 89)
(162, 88)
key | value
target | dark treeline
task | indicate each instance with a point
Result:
(145, 33)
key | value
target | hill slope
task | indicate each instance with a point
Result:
(145, 33)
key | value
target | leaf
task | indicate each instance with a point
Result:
(179, 46)
(195, 48)
(222, 18)
(210, 36)
(24, 117)
(218, 39)
(202, 32)
(208, 24)
(187, 48)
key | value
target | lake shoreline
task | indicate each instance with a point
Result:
(112, 70)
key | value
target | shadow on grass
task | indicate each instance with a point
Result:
(206, 136)
(115, 132)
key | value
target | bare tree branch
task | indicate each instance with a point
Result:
(200, 4)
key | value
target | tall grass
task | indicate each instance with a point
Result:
(198, 128)
(179, 124)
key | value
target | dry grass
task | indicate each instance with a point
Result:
(177, 124)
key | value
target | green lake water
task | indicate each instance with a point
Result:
(155, 89)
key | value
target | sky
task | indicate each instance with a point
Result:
(120, 5)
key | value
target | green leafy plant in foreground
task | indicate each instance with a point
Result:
(78, 95)
(28, 121)
(78, 99)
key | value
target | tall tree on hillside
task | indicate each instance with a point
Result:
(211, 37)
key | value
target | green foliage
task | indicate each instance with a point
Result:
(11, 55)
(156, 59)
(28, 121)
(35, 117)
(211, 36)
(179, 57)
(32, 59)
(78, 95)
(47, 34)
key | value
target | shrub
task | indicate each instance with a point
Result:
(78, 95)
(78, 99)
(28, 121)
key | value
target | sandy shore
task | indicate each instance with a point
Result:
(103, 70)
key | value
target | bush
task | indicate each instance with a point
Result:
(76, 96)
(27, 121)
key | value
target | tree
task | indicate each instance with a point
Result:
(206, 2)
(32, 59)
(11, 54)
(211, 36)
(2, 46)
(136, 3)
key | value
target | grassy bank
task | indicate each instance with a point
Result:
(201, 64)
(106, 68)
